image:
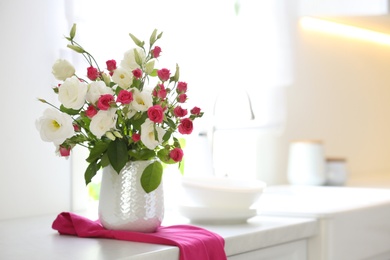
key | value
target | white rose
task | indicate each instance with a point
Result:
(141, 100)
(96, 89)
(62, 69)
(122, 77)
(72, 93)
(129, 62)
(55, 126)
(147, 134)
(102, 122)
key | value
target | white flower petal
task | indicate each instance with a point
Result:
(63, 69)
(96, 89)
(103, 121)
(147, 134)
(141, 100)
(72, 93)
(123, 77)
(55, 126)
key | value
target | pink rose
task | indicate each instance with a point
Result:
(105, 101)
(124, 97)
(186, 126)
(91, 111)
(181, 87)
(137, 73)
(156, 52)
(163, 74)
(92, 73)
(176, 154)
(64, 151)
(182, 98)
(156, 114)
(111, 65)
(195, 111)
(179, 111)
(160, 91)
(136, 137)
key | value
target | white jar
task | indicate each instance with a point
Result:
(306, 163)
(336, 171)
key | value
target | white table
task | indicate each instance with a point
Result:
(262, 236)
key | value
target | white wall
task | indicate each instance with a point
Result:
(32, 179)
(340, 94)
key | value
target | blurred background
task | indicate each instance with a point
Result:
(303, 83)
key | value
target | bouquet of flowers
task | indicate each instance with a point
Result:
(117, 113)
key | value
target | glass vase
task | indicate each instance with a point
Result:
(123, 203)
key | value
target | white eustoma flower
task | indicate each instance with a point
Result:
(103, 121)
(96, 89)
(123, 77)
(63, 69)
(129, 62)
(72, 93)
(147, 134)
(55, 126)
(141, 100)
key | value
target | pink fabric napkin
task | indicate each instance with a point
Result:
(195, 243)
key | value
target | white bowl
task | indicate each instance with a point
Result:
(227, 193)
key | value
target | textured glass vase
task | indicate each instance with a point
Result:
(123, 203)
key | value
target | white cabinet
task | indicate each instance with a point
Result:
(290, 251)
(353, 223)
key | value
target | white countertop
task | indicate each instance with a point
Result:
(33, 238)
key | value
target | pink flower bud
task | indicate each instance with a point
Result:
(179, 111)
(124, 97)
(181, 87)
(111, 65)
(156, 114)
(195, 111)
(182, 98)
(65, 152)
(156, 52)
(164, 74)
(92, 73)
(176, 154)
(186, 126)
(137, 73)
(136, 137)
(76, 127)
(91, 111)
(105, 101)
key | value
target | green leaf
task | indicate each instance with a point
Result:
(97, 151)
(151, 177)
(163, 155)
(117, 154)
(69, 111)
(90, 172)
(153, 73)
(143, 154)
(167, 136)
(136, 41)
(104, 161)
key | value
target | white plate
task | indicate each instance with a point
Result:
(204, 215)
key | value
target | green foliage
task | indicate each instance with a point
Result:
(117, 154)
(151, 177)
